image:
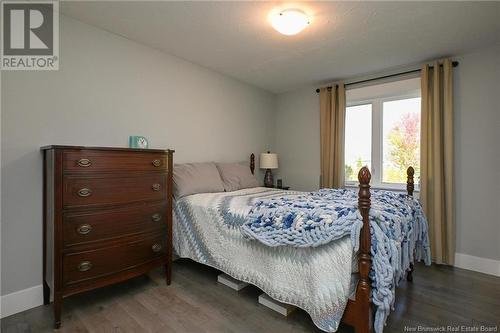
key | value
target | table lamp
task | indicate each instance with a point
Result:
(268, 161)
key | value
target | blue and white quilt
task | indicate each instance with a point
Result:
(314, 272)
(398, 231)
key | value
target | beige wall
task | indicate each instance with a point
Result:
(297, 139)
(477, 153)
(477, 138)
(108, 88)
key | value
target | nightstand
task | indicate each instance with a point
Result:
(281, 188)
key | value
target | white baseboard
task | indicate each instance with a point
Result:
(478, 264)
(21, 300)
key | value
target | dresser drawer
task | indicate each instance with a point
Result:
(108, 190)
(97, 161)
(99, 263)
(86, 227)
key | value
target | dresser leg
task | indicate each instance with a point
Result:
(168, 273)
(46, 293)
(57, 310)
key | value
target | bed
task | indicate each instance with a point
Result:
(331, 282)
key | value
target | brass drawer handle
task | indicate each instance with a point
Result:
(156, 163)
(156, 248)
(84, 192)
(84, 229)
(156, 187)
(84, 162)
(84, 266)
(156, 217)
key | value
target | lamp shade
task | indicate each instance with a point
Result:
(268, 161)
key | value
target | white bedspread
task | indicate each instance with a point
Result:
(317, 280)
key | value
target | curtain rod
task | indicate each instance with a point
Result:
(454, 64)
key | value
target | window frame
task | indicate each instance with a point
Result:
(377, 157)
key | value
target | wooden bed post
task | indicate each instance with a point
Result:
(364, 323)
(252, 163)
(410, 186)
(358, 312)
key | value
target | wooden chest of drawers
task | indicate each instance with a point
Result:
(107, 217)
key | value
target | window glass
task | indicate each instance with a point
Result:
(358, 140)
(401, 139)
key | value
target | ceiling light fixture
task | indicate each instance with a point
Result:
(289, 21)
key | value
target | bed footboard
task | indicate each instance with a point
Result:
(410, 186)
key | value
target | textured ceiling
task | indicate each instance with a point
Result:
(345, 39)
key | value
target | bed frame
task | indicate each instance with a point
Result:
(358, 313)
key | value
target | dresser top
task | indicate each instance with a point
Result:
(106, 148)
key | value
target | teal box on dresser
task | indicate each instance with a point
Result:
(107, 217)
(137, 141)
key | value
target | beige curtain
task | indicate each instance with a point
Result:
(436, 190)
(332, 124)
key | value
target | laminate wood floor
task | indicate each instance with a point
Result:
(195, 302)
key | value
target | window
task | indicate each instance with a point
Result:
(382, 131)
